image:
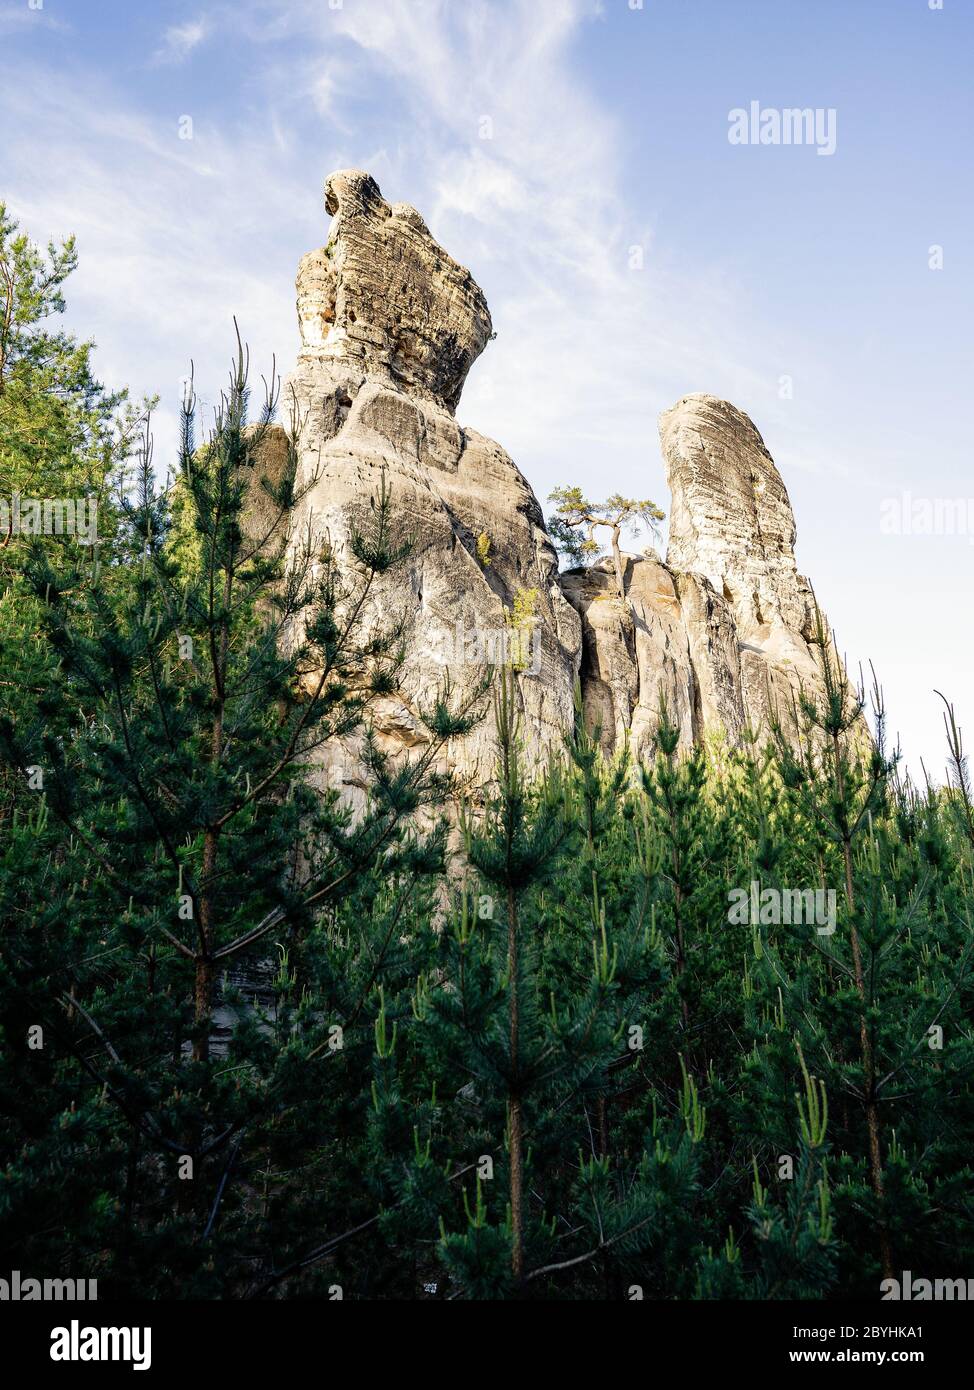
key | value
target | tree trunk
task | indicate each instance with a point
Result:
(617, 558)
(869, 1071)
(515, 1123)
(203, 985)
(202, 1008)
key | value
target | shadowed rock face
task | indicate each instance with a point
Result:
(390, 326)
(631, 656)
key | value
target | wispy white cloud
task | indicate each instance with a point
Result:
(179, 40)
(175, 237)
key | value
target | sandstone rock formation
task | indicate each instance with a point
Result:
(732, 524)
(631, 655)
(725, 628)
(383, 299)
(390, 326)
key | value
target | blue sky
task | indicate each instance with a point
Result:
(608, 129)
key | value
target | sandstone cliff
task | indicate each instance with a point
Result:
(726, 627)
(390, 326)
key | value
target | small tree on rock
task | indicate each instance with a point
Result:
(576, 521)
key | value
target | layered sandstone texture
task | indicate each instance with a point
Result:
(732, 526)
(390, 326)
(725, 629)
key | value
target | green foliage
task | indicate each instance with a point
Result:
(61, 434)
(576, 520)
(521, 620)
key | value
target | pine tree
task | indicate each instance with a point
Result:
(576, 520)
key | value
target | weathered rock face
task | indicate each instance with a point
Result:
(384, 298)
(632, 655)
(724, 628)
(732, 523)
(390, 326)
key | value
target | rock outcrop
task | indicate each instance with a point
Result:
(390, 327)
(731, 524)
(725, 629)
(632, 654)
(384, 300)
